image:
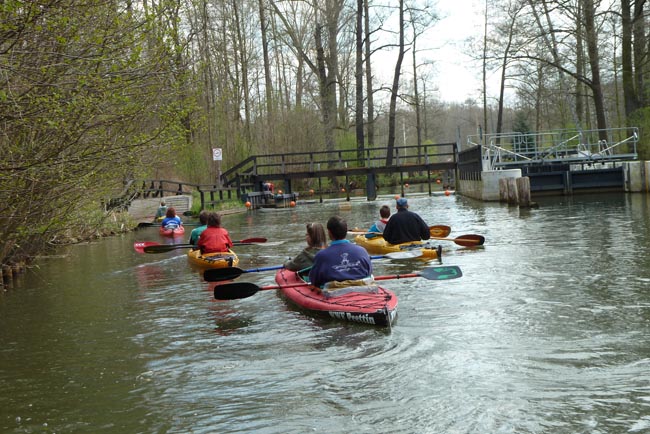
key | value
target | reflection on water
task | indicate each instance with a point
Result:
(545, 332)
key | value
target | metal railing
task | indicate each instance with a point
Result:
(562, 146)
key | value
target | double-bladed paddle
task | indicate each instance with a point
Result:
(229, 273)
(150, 225)
(234, 291)
(153, 247)
(434, 231)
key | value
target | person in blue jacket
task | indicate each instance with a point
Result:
(171, 220)
(380, 225)
(341, 260)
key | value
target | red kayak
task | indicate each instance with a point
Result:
(365, 304)
(177, 231)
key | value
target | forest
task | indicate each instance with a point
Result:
(95, 93)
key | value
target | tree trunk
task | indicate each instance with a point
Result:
(630, 97)
(594, 63)
(358, 75)
(394, 89)
(369, 87)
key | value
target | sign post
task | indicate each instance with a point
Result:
(217, 156)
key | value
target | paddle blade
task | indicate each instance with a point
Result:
(447, 272)
(234, 291)
(440, 231)
(252, 240)
(470, 240)
(139, 246)
(221, 274)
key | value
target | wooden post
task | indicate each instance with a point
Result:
(513, 197)
(503, 190)
(320, 190)
(371, 186)
(523, 191)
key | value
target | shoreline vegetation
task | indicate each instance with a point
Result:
(90, 227)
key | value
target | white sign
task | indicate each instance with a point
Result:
(216, 154)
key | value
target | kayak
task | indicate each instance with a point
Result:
(212, 260)
(370, 304)
(378, 245)
(172, 232)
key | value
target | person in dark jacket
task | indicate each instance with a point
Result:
(405, 226)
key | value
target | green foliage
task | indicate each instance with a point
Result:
(86, 102)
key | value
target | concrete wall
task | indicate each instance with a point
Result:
(486, 189)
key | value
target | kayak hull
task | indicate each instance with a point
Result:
(379, 246)
(212, 260)
(175, 232)
(378, 308)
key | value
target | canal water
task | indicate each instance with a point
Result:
(546, 332)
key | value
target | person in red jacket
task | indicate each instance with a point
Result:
(214, 238)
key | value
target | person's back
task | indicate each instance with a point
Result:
(161, 211)
(405, 226)
(196, 232)
(214, 238)
(342, 260)
(380, 225)
(171, 220)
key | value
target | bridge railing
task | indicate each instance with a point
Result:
(315, 161)
(209, 194)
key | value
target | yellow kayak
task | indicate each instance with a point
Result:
(379, 246)
(212, 260)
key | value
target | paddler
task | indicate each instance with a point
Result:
(342, 260)
(405, 226)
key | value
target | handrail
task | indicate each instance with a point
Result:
(341, 158)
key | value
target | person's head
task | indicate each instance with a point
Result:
(337, 227)
(384, 211)
(171, 212)
(203, 217)
(214, 219)
(316, 235)
(402, 203)
(162, 203)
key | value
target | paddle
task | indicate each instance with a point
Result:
(150, 225)
(234, 291)
(469, 240)
(153, 247)
(434, 231)
(230, 273)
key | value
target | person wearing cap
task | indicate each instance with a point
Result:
(341, 260)
(405, 226)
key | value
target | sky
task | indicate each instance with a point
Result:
(458, 77)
